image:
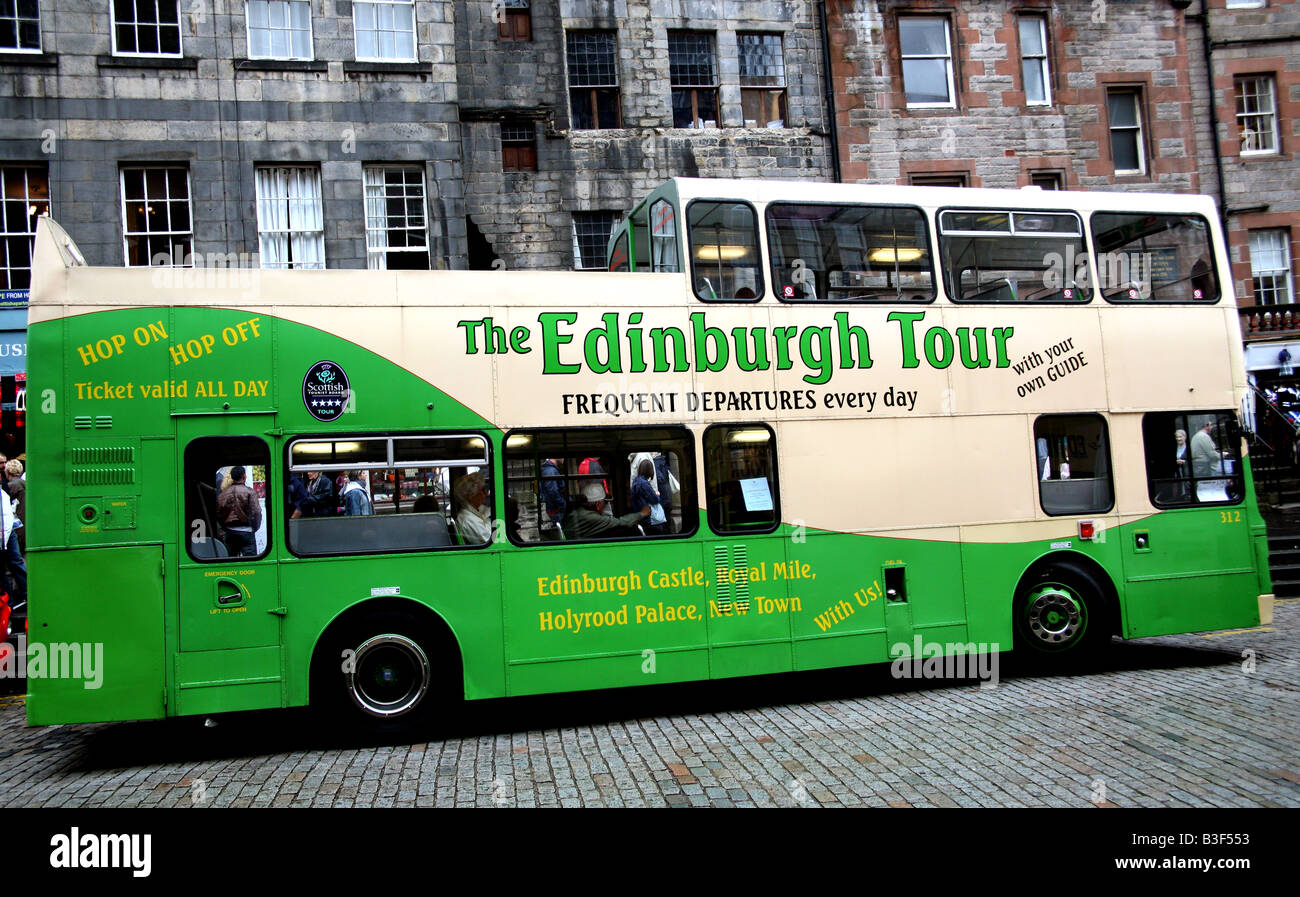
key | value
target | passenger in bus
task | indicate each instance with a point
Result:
(593, 518)
(593, 465)
(1207, 460)
(298, 499)
(320, 495)
(1182, 469)
(552, 490)
(356, 500)
(667, 486)
(643, 495)
(474, 519)
(240, 514)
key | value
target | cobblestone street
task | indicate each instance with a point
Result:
(1177, 721)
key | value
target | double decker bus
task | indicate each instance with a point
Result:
(797, 426)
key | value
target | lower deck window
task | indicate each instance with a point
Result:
(588, 484)
(740, 469)
(1192, 459)
(372, 494)
(1073, 464)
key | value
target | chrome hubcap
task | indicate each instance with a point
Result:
(1055, 616)
(389, 675)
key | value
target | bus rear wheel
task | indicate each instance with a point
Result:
(382, 674)
(1060, 614)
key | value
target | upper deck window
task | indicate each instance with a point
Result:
(1142, 256)
(847, 253)
(724, 249)
(1005, 256)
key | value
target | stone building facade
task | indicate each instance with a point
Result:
(1254, 49)
(589, 164)
(1012, 93)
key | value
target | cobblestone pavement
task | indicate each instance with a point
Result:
(1198, 720)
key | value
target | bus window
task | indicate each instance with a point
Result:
(372, 494)
(848, 253)
(1006, 256)
(663, 237)
(225, 497)
(1159, 258)
(593, 483)
(740, 473)
(1192, 459)
(618, 259)
(1073, 464)
(724, 250)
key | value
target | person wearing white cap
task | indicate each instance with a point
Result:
(589, 520)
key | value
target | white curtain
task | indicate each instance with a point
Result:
(376, 220)
(290, 218)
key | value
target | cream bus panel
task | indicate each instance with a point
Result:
(1167, 358)
(937, 471)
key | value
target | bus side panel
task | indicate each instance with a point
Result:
(106, 661)
(1194, 572)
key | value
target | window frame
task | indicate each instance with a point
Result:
(1040, 19)
(1110, 462)
(135, 23)
(391, 463)
(519, 145)
(1239, 477)
(17, 18)
(127, 234)
(289, 232)
(603, 264)
(311, 37)
(1137, 93)
(1118, 300)
(695, 90)
(511, 13)
(688, 240)
(1285, 235)
(266, 510)
(1275, 133)
(592, 90)
(686, 463)
(953, 295)
(749, 89)
(382, 253)
(949, 57)
(775, 485)
(28, 219)
(356, 31)
(929, 248)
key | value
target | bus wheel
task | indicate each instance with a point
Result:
(381, 673)
(1060, 614)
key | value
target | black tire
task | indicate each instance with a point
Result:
(383, 674)
(1061, 613)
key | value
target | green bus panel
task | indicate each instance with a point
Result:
(750, 612)
(120, 618)
(224, 681)
(1190, 570)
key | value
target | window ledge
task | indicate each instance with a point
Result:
(148, 62)
(281, 65)
(44, 60)
(386, 68)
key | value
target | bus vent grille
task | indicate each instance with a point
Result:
(722, 575)
(740, 573)
(102, 465)
(104, 476)
(81, 422)
(103, 421)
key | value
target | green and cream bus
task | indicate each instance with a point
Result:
(796, 426)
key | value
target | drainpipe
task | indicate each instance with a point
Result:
(828, 86)
(1204, 19)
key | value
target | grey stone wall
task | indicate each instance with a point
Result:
(526, 216)
(222, 114)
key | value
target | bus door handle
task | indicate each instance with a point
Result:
(229, 594)
(1142, 541)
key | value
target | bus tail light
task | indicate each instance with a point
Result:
(1087, 529)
